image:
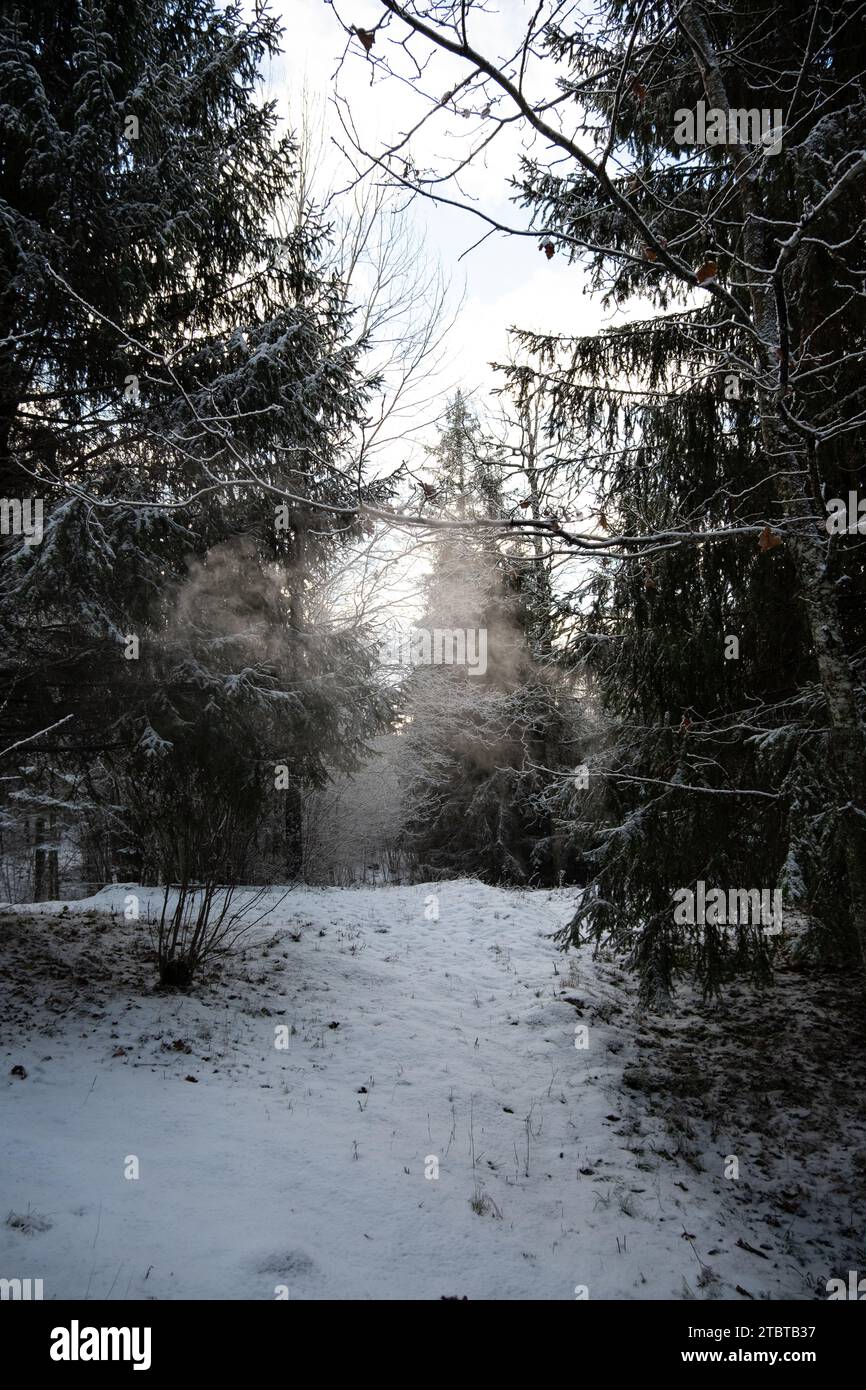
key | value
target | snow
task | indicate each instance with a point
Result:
(278, 1174)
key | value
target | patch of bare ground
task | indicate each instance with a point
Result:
(766, 1088)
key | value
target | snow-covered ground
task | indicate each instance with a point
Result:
(430, 1130)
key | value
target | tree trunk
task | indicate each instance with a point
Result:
(294, 829)
(39, 861)
(293, 814)
(52, 867)
(808, 544)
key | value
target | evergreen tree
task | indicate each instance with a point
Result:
(479, 741)
(177, 383)
(758, 726)
(713, 435)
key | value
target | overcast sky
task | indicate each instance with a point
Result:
(507, 280)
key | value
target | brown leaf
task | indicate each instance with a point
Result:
(19, 1071)
(119, 1052)
(649, 254)
(367, 37)
(548, 248)
(603, 522)
(706, 273)
(768, 540)
(194, 1079)
(527, 502)
(639, 89)
(428, 489)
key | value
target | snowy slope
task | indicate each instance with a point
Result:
(302, 1171)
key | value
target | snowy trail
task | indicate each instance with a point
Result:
(300, 1172)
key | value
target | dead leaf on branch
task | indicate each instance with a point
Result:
(768, 540)
(367, 37)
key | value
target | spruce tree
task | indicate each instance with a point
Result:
(714, 431)
(177, 382)
(480, 743)
(725, 667)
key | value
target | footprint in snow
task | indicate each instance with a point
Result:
(295, 1263)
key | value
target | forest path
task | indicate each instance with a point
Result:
(423, 1126)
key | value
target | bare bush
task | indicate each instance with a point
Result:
(203, 921)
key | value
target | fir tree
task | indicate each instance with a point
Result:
(481, 743)
(713, 436)
(177, 382)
